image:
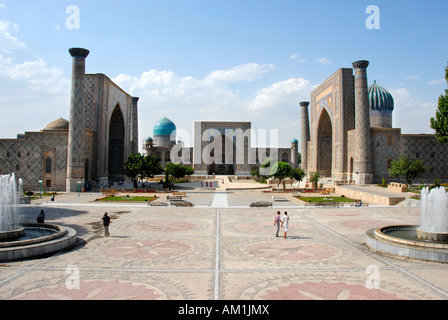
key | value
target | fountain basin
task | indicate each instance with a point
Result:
(56, 239)
(401, 240)
(432, 236)
(12, 235)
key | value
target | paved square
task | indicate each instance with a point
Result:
(220, 253)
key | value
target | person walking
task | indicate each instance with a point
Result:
(285, 223)
(106, 223)
(277, 223)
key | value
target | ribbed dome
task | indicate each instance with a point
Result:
(149, 139)
(164, 127)
(380, 99)
(295, 141)
(59, 124)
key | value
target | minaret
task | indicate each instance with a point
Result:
(363, 155)
(134, 134)
(295, 153)
(305, 136)
(76, 146)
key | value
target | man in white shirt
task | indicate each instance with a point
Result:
(285, 223)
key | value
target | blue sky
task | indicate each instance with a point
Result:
(249, 60)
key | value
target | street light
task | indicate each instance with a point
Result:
(40, 190)
(79, 188)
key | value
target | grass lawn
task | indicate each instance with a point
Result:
(326, 199)
(128, 199)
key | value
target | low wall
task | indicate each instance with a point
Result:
(370, 198)
(397, 187)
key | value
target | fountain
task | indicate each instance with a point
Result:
(26, 240)
(9, 212)
(427, 241)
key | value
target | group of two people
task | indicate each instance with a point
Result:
(281, 222)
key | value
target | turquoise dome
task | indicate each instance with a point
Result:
(295, 141)
(164, 127)
(380, 99)
(149, 139)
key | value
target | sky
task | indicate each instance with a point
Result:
(227, 60)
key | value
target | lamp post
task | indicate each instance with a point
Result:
(40, 188)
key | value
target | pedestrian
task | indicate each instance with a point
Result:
(106, 223)
(285, 223)
(277, 223)
(52, 198)
(41, 217)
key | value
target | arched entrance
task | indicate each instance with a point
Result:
(225, 149)
(116, 145)
(325, 144)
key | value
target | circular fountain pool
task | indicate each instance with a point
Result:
(39, 240)
(428, 241)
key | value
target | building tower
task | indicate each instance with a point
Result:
(77, 160)
(134, 126)
(295, 153)
(363, 154)
(305, 136)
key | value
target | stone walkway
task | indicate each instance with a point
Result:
(220, 250)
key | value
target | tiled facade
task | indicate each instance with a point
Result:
(336, 143)
(84, 150)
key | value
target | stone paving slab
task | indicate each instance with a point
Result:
(227, 253)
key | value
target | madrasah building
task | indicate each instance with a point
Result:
(347, 135)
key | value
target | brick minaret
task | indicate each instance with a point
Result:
(305, 136)
(134, 134)
(76, 141)
(363, 154)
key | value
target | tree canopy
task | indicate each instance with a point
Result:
(440, 122)
(407, 168)
(142, 166)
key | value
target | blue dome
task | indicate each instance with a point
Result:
(380, 99)
(295, 141)
(149, 139)
(164, 127)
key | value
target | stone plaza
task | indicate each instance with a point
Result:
(220, 249)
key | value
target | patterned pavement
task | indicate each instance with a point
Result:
(220, 253)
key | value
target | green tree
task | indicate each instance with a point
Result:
(133, 167)
(255, 172)
(280, 171)
(407, 168)
(314, 177)
(297, 174)
(440, 122)
(151, 167)
(189, 171)
(175, 170)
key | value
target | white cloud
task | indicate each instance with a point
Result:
(277, 94)
(436, 82)
(296, 57)
(412, 77)
(323, 61)
(411, 112)
(8, 41)
(242, 73)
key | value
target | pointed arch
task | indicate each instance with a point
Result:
(325, 144)
(116, 144)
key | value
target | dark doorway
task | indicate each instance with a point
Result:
(116, 145)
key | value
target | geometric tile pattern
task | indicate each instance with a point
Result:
(363, 155)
